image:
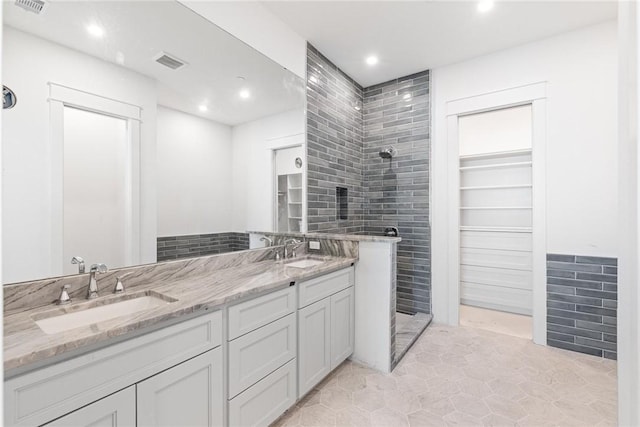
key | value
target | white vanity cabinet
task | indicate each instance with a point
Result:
(189, 394)
(93, 380)
(325, 326)
(116, 410)
(262, 358)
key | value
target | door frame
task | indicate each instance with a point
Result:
(61, 96)
(280, 143)
(534, 95)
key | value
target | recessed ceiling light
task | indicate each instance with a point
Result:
(407, 96)
(485, 6)
(95, 30)
(203, 108)
(313, 79)
(245, 94)
(371, 60)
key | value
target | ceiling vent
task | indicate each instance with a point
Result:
(34, 6)
(169, 61)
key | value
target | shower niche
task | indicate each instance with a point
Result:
(289, 203)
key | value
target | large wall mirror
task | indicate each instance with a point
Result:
(141, 132)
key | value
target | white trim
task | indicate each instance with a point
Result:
(539, 224)
(92, 102)
(505, 98)
(533, 94)
(60, 97)
(279, 143)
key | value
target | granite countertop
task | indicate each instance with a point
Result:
(332, 236)
(25, 344)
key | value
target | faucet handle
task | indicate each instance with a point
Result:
(119, 288)
(64, 296)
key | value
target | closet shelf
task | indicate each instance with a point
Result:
(493, 229)
(495, 166)
(501, 208)
(496, 187)
(496, 154)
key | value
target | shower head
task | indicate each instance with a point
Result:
(387, 153)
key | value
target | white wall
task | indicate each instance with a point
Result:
(507, 129)
(252, 171)
(194, 168)
(629, 259)
(26, 161)
(255, 25)
(581, 73)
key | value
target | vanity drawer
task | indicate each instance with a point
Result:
(255, 355)
(316, 289)
(263, 403)
(250, 315)
(45, 394)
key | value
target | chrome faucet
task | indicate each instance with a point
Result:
(268, 240)
(64, 298)
(286, 247)
(92, 290)
(119, 288)
(78, 260)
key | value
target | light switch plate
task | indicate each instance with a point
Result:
(314, 244)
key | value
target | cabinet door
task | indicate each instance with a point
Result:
(116, 410)
(262, 403)
(189, 394)
(314, 346)
(342, 326)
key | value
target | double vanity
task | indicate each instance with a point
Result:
(233, 339)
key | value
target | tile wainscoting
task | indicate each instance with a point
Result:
(582, 302)
(177, 247)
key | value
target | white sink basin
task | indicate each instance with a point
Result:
(59, 321)
(305, 263)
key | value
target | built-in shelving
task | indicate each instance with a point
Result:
(495, 229)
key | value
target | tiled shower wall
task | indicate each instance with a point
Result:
(396, 113)
(334, 145)
(582, 303)
(346, 128)
(177, 247)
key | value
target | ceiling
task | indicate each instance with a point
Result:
(411, 36)
(136, 31)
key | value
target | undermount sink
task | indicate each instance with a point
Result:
(305, 263)
(67, 318)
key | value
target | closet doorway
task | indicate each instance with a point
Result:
(496, 220)
(496, 199)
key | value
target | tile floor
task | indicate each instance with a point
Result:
(467, 377)
(515, 325)
(408, 328)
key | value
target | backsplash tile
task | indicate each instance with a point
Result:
(194, 245)
(582, 303)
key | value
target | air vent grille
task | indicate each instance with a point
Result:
(169, 61)
(34, 6)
